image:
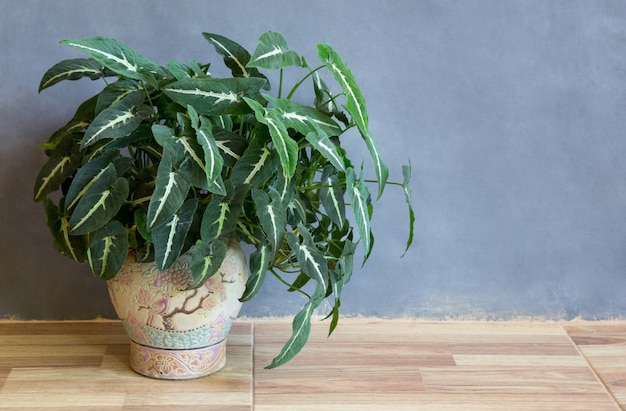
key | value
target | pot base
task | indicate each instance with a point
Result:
(177, 364)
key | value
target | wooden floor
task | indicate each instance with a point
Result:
(366, 365)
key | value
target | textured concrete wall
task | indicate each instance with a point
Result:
(512, 113)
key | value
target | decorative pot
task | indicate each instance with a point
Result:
(176, 333)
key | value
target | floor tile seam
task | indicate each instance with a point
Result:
(593, 369)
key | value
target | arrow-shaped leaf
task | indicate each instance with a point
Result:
(331, 196)
(235, 56)
(169, 237)
(355, 104)
(213, 161)
(63, 161)
(118, 120)
(100, 203)
(256, 166)
(71, 69)
(406, 185)
(72, 246)
(327, 148)
(301, 328)
(273, 53)
(286, 147)
(211, 96)
(172, 185)
(272, 215)
(359, 198)
(89, 174)
(115, 92)
(108, 250)
(303, 118)
(206, 259)
(116, 56)
(259, 264)
(310, 258)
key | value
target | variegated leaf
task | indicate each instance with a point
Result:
(116, 56)
(322, 143)
(172, 185)
(115, 92)
(63, 161)
(118, 120)
(169, 237)
(301, 328)
(72, 246)
(231, 145)
(303, 118)
(260, 261)
(71, 69)
(286, 147)
(87, 175)
(213, 162)
(211, 96)
(235, 56)
(331, 196)
(206, 260)
(256, 166)
(271, 214)
(310, 259)
(179, 70)
(221, 214)
(273, 53)
(100, 203)
(355, 104)
(359, 198)
(108, 250)
(406, 185)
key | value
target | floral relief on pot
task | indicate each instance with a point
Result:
(177, 332)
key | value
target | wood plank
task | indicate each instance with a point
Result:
(604, 346)
(392, 365)
(83, 376)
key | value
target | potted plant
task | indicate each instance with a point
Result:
(169, 164)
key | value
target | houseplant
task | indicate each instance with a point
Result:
(168, 161)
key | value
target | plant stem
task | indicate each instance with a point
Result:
(282, 280)
(297, 85)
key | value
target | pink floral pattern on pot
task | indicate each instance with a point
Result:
(159, 312)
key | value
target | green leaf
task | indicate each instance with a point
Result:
(213, 161)
(271, 214)
(231, 145)
(116, 56)
(235, 56)
(286, 147)
(63, 161)
(118, 120)
(359, 198)
(260, 261)
(67, 244)
(72, 69)
(169, 237)
(273, 53)
(310, 259)
(256, 166)
(115, 92)
(100, 203)
(108, 250)
(141, 221)
(406, 185)
(206, 260)
(303, 118)
(179, 70)
(322, 143)
(301, 328)
(87, 176)
(172, 185)
(355, 104)
(211, 96)
(331, 196)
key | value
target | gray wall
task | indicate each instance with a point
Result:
(512, 113)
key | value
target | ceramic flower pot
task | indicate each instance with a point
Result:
(177, 333)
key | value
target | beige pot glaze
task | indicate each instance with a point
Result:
(177, 333)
